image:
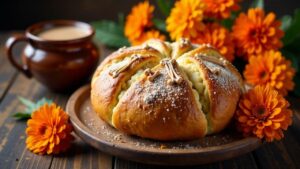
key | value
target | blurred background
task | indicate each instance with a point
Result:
(19, 14)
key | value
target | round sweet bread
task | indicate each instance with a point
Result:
(166, 91)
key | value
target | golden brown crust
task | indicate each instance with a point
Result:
(180, 47)
(122, 53)
(224, 84)
(154, 108)
(161, 103)
(159, 45)
(223, 94)
(106, 88)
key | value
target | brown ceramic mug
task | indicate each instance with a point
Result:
(57, 62)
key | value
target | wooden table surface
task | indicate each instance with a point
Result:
(13, 153)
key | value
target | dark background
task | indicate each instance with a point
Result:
(18, 14)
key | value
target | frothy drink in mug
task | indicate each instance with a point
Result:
(63, 33)
(60, 54)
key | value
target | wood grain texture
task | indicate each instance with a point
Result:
(82, 156)
(7, 72)
(243, 162)
(13, 153)
(273, 155)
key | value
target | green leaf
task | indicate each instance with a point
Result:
(30, 107)
(286, 21)
(292, 32)
(40, 103)
(294, 46)
(257, 4)
(160, 24)
(165, 6)
(22, 116)
(296, 90)
(110, 33)
(227, 23)
(26, 102)
(292, 57)
(121, 19)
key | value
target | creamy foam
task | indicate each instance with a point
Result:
(64, 33)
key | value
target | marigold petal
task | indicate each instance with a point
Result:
(139, 19)
(267, 123)
(269, 114)
(220, 9)
(42, 130)
(247, 103)
(260, 126)
(269, 133)
(278, 135)
(251, 123)
(243, 119)
(258, 133)
(270, 68)
(276, 126)
(269, 18)
(256, 33)
(247, 112)
(275, 112)
(185, 19)
(217, 36)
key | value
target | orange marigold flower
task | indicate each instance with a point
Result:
(152, 34)
(139, 19)
(270, 68)
(220, 9)
(263, 112)
(49, 130)
(185, 19)
(219, 37)
(256, 33)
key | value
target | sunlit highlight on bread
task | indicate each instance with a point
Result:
(166, 91)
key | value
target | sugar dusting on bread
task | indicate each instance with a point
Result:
(159, 91)
(167, 84)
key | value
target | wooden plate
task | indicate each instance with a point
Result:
(97, 133)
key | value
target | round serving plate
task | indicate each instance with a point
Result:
(91, 129)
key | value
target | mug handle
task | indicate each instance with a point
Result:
(10, 43)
